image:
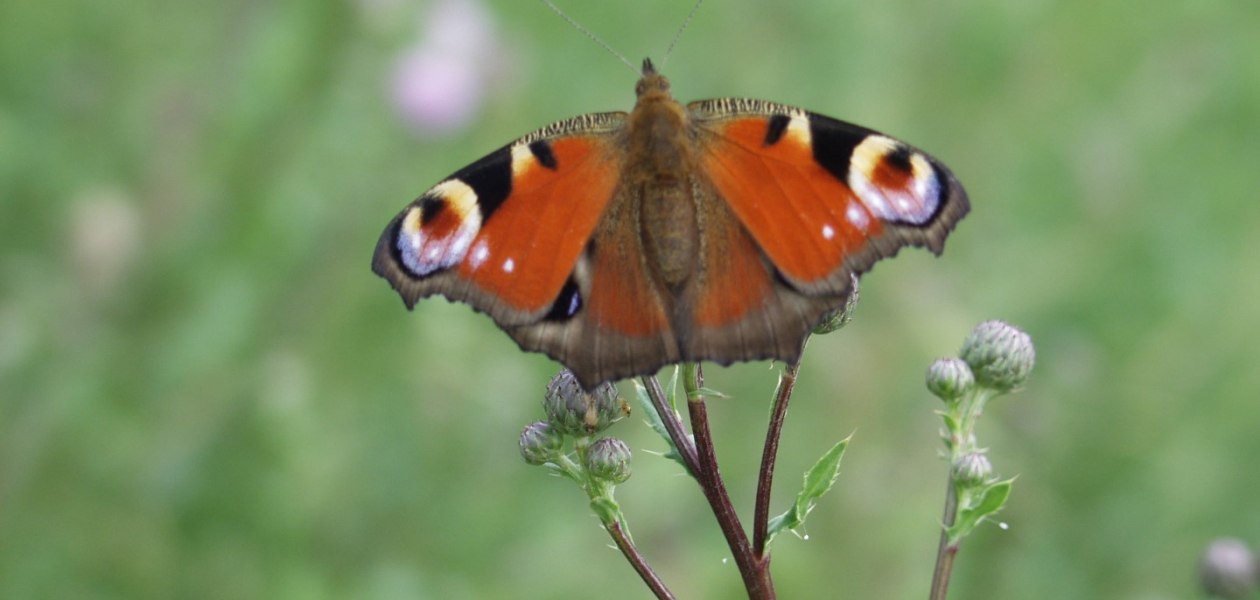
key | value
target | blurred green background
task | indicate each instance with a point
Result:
(205, 393)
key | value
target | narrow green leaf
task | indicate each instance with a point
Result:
(993, 498)
(990, 501)
(654, 421)
(671, 390)
(789, 519)
(818, 480)
(711, 393)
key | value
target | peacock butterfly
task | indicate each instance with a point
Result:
(617, 243)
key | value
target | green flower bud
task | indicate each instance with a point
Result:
(1000, 356)
(949, 378)
(609, 459)
(1228, 569)
(574, 411)
(540, 443)
(972, 469)
(841, 315)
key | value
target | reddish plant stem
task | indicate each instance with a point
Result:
(945, 551)
(755, 571)
(673, 425)
(637, 561)
(761, 516)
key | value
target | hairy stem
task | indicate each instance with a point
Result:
(673, 425)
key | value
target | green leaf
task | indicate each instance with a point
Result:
(990, 501)
(818, 481)
(820, 478)
(710, 393)
(654, 421)
(671, 390)
(994, 497)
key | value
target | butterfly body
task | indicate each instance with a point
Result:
(721, 230)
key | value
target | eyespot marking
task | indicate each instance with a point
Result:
(894, 182)
(437, 230)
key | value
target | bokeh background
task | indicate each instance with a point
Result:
(205, 393)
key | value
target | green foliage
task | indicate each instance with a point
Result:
(817, 482)
(654, 419)
(977, 506)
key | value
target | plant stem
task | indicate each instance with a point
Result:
(945, 551)
(672, 424)
(761, 517)
(755, 571)
(640, 565)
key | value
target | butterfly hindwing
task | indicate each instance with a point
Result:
(738, 307)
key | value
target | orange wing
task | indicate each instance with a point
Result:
(824, 199)
(504, 234)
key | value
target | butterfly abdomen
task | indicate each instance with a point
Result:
(667, 221)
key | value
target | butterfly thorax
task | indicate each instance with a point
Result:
(658, 178)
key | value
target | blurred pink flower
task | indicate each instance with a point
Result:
(439, 84)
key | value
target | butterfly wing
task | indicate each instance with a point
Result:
(547, 237)
(821, 201)
(505, 233)
(824, 198)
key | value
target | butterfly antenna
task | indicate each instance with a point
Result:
(590, 34)
(677, 35)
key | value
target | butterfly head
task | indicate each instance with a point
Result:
(652, 85)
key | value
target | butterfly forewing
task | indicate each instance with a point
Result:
(505, 233)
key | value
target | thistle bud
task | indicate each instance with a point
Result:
(1000, 356)
(609, 459)
(574, 411)
(949, 378)
(1228, 569)
(972, 469)
(841, 315)
(540, 443)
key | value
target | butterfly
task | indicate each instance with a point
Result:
(617, 243)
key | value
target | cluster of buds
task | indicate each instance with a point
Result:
(995, 359)
(995, 356)
(577, 414)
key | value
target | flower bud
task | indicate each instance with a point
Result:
(972, 469)
(841, 315)
(1228, 569)
(1000, 356)
(609, 459)
(540, 443)
(949, 378)
(574, 411)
